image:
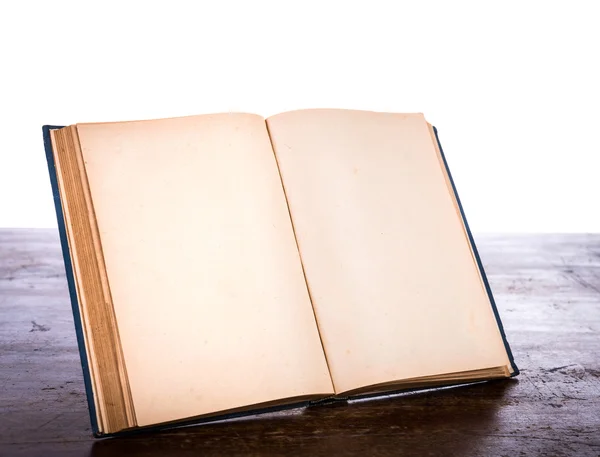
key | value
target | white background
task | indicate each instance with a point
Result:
(513, 88)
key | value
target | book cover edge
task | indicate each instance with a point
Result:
(478, 261)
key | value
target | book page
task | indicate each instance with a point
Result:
(395, 289)
(210, 300)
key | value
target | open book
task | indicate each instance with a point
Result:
(223, 264)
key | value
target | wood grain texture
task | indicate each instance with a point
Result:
(548, 292)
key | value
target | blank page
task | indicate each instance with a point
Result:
(208, 289)
(395, 289)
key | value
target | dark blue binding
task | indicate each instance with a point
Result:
(70, 276)
(478, 260)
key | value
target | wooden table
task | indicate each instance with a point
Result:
(548, 292)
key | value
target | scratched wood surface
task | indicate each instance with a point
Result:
(548, 293)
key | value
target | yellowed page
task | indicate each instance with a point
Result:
(208, 289)
(393, 283)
